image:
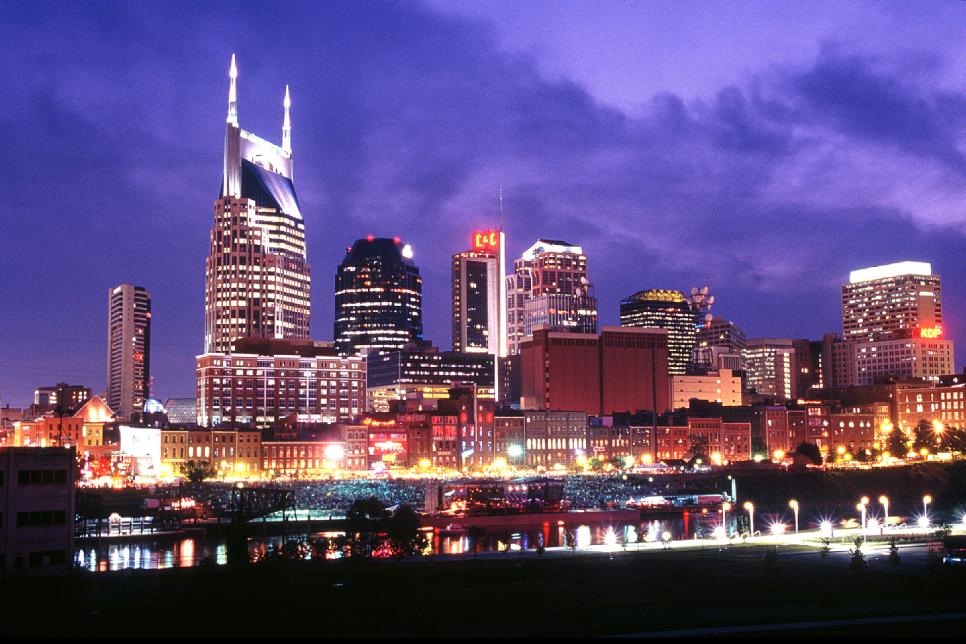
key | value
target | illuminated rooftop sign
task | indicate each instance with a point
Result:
(486, 240)
(931, 332)
(890, 270)
(551, 246)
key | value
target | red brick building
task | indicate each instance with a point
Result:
(623, 369)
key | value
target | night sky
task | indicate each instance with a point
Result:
(763, 153)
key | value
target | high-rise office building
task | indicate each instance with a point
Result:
(892, 324)
(128, 349)
(378, 297)
(479, 302)
(771, 368)
(664, 309)
(256, 275)
(550, 287)
(898, 300)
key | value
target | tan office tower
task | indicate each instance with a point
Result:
(256, 277)
(892, 301)
(892, 324)
(549, 287)
(128, 349)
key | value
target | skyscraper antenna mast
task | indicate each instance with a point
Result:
(501, 208)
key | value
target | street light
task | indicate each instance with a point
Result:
(884, 501)
(751, 516)
(793, 504)
(863, 502)
(926, 500)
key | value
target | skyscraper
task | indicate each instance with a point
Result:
(892, 301)
(664, 309)
(128, 349)
(378, 297)
(479, 303)
(256, 276)
(892, 324)
(549, 286)
(771, 368)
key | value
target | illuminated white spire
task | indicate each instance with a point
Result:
(287, 124)
(233, 93)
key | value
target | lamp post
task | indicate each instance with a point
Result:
(884, 500)
(926, 500)
(863, 502)
(724, 517)
(793, 504)
(751, 516)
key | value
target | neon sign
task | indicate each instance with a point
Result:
(486, 240)
(931, 332)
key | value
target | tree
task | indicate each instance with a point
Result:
(771, 562)
(365, 519)
(476, 534)
(922, 436)
(809, 451)
(826, 548)
(857, 560)
(196, 472)
(699, 446)
(896, 443)
(894, 558)
(404, 534)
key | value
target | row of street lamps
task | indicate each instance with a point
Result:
(793, 504)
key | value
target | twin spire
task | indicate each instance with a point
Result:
(233, 106)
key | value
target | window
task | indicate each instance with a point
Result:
(40, 518)
(47, 558)
(42, 477)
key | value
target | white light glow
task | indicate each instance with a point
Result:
(890, 270)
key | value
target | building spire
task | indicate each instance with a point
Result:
(233, 93)
(287, 123)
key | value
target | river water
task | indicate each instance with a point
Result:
(191, 551)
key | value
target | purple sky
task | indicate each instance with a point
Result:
(763, 154)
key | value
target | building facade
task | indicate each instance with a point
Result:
(422, 371)
(128, 349)
(721, 386)
(378, 297)
(37, 509)
(478, 294)
(279, 381)
(622, 370)
(770, 367)
(554, 274)
(895, 300)
(669, 310)
(257, 278)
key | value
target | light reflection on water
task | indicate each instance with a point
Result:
(191, 551)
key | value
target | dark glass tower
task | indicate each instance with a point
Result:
(378, 297)
(665, 309)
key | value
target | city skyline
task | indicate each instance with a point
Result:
(359, 177)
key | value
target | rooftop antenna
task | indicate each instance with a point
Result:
(501, 208)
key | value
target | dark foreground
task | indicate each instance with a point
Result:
(699, 592)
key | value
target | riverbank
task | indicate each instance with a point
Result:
(591, 593)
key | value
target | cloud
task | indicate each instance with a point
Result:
(407, 122)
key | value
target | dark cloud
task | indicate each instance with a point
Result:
(407, 122)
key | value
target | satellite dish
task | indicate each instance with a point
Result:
(704, 291)
(583, 280)
(578, 291)
(711, 300)
(694, 290)
(708, 317)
